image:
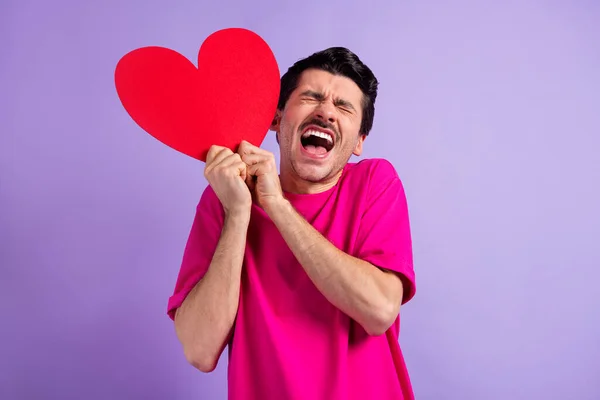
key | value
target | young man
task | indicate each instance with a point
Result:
(302, 273)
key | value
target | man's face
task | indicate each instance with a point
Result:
(318, 130)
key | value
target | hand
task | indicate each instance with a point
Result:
(261, 177)
(226, 173)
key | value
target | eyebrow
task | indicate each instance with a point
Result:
(319, 96)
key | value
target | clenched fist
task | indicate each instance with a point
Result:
(262, 177)
(226, 173)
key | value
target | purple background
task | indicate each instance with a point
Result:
(489, 111)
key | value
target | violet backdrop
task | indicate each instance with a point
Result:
(488, 110)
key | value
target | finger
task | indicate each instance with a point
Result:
(220, 154)
(243, 169)
(212, 152)
(254, 158)
(216, 154)
(245, 147)
(248, 148)
(260, 168)
(250, 182)
(234, 161)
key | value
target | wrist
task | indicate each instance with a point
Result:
(277, 208)
(238, 216)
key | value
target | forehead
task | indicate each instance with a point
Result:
(329, 84)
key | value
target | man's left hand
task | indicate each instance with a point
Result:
(262, 177)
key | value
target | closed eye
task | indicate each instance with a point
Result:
(344, 104)
(310, 95)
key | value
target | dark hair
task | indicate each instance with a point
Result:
(338, 61)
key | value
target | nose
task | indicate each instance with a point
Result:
(326, 112)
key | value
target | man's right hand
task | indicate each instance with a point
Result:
(226, 173)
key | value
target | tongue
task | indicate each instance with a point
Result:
(317, 150)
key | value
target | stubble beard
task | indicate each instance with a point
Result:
(311, 174)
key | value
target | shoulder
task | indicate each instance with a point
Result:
(372, 173)
(375, 168)
(376, 178)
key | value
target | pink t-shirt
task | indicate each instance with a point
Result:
(289, 342)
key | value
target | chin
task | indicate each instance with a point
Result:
(312, 173)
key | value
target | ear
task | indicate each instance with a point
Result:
(275, 125)
(359, 145)
(276, 122)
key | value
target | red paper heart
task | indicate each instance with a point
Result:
(231, 96)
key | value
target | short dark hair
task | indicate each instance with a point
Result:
(338, 61)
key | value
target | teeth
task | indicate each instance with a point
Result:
(318, 134)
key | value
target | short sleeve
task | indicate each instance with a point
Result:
(384, 236)
(200, 247)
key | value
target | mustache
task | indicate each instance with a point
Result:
(321, 124)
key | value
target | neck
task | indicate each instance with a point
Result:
(292, 183)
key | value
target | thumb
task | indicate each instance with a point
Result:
(243, 170)
(250, 180)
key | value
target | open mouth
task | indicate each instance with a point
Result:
(317, 142)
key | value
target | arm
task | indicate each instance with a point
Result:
(207, 292)
(205, 319)
(367, 294)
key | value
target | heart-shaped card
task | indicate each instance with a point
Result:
(231, 96)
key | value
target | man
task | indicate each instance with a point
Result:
(303, 273)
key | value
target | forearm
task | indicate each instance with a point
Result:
(365, 293)
(204, 320)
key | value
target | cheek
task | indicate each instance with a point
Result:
(286, 131)
(350, 127)
(350, 141)
(291, 122)
(299, 114)
(286, 127)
